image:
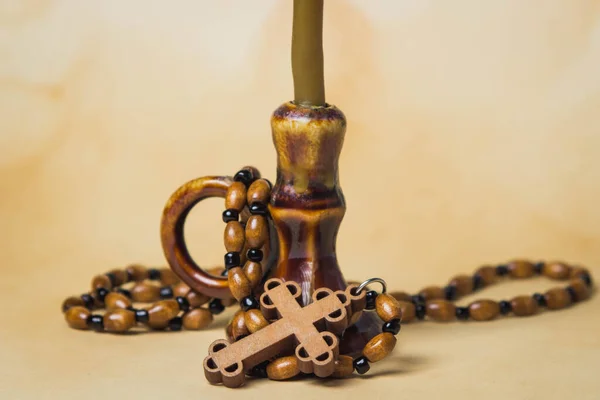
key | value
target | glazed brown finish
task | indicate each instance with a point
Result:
(520, 269)
(557, 270)
(238, 325)
(582, 292)
(120, 276)
(484, 310)
(463, 284)
(239, 285)
(431, 293)
(173, 241)
(441, 310)
(257, 231)
(307, 204)
(119, 320)
(379, 347)
(557, 298)
(196, 299)
(145, 292)
(524, 306)
(254, 272)
(71, 302)
(76, 317)
(258, 192)
(101, 281)
(387, 307)
(255, 320)
(316, 351)
(401, 296)
(161, 313)
(137, 272)
(283, 368)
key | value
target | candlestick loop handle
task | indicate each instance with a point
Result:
(172, 237)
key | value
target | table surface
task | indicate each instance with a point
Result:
(554, 355)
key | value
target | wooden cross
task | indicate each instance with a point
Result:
(309, 331)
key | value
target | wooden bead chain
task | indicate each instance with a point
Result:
(436, 303)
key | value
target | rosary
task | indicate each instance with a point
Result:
(297, 315)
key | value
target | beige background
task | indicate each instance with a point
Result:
(473, 137)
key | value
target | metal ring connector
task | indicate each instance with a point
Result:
(369, 281)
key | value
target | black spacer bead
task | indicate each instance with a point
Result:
(538, 267)
(124, 292)
(184, 304)
(232, 260)
(502, 270)
(541, 300)
(587, 278)
(477, 282)
(101, 294)
(230, 215)
(216, 306)
(269, 183)
(417, 299)
(361, 365)
(450, 292)
(420, 310)
(462, 313)
(175, 324)
(392, 326)
(248, 303)
(166, 292)
(371, 296)
(225, 272)
(255, 255)
(153, 274)
(88, 301)
(244, 176)
(142, 316)
(260, 370)
(95, 322)
(113, 279)
(505, 307)
(572, 294)
(258, 209)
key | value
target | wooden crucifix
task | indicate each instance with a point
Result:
(310, 332)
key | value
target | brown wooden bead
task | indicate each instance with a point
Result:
(523, 306)
(557, 270)
(254, 272)
(239, 284)
(72, 302)
(463, 284)
(116, 300)
(161, 313)
(387, 307)
(236, 196)
(343, 367)
(557, 298)
(101, 281)
(283, 368)
(259, 191)
(582, 292)
(254, 320)
(120, 276)
(441, 310)
(487, 274)
(521, 269)
(578, 272)
(408, 311)
(168, 277)
(198, 318)
(400, 296)
(257, 231)
(432, 293)
(379, 347)
(137, 272)
(180, 289)
(77, 316)
(484, 310)
(145, 292)
(238, 325)
(196, 299)
(233, 237)
(119, 320)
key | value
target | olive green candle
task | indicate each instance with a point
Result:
(307, 53)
